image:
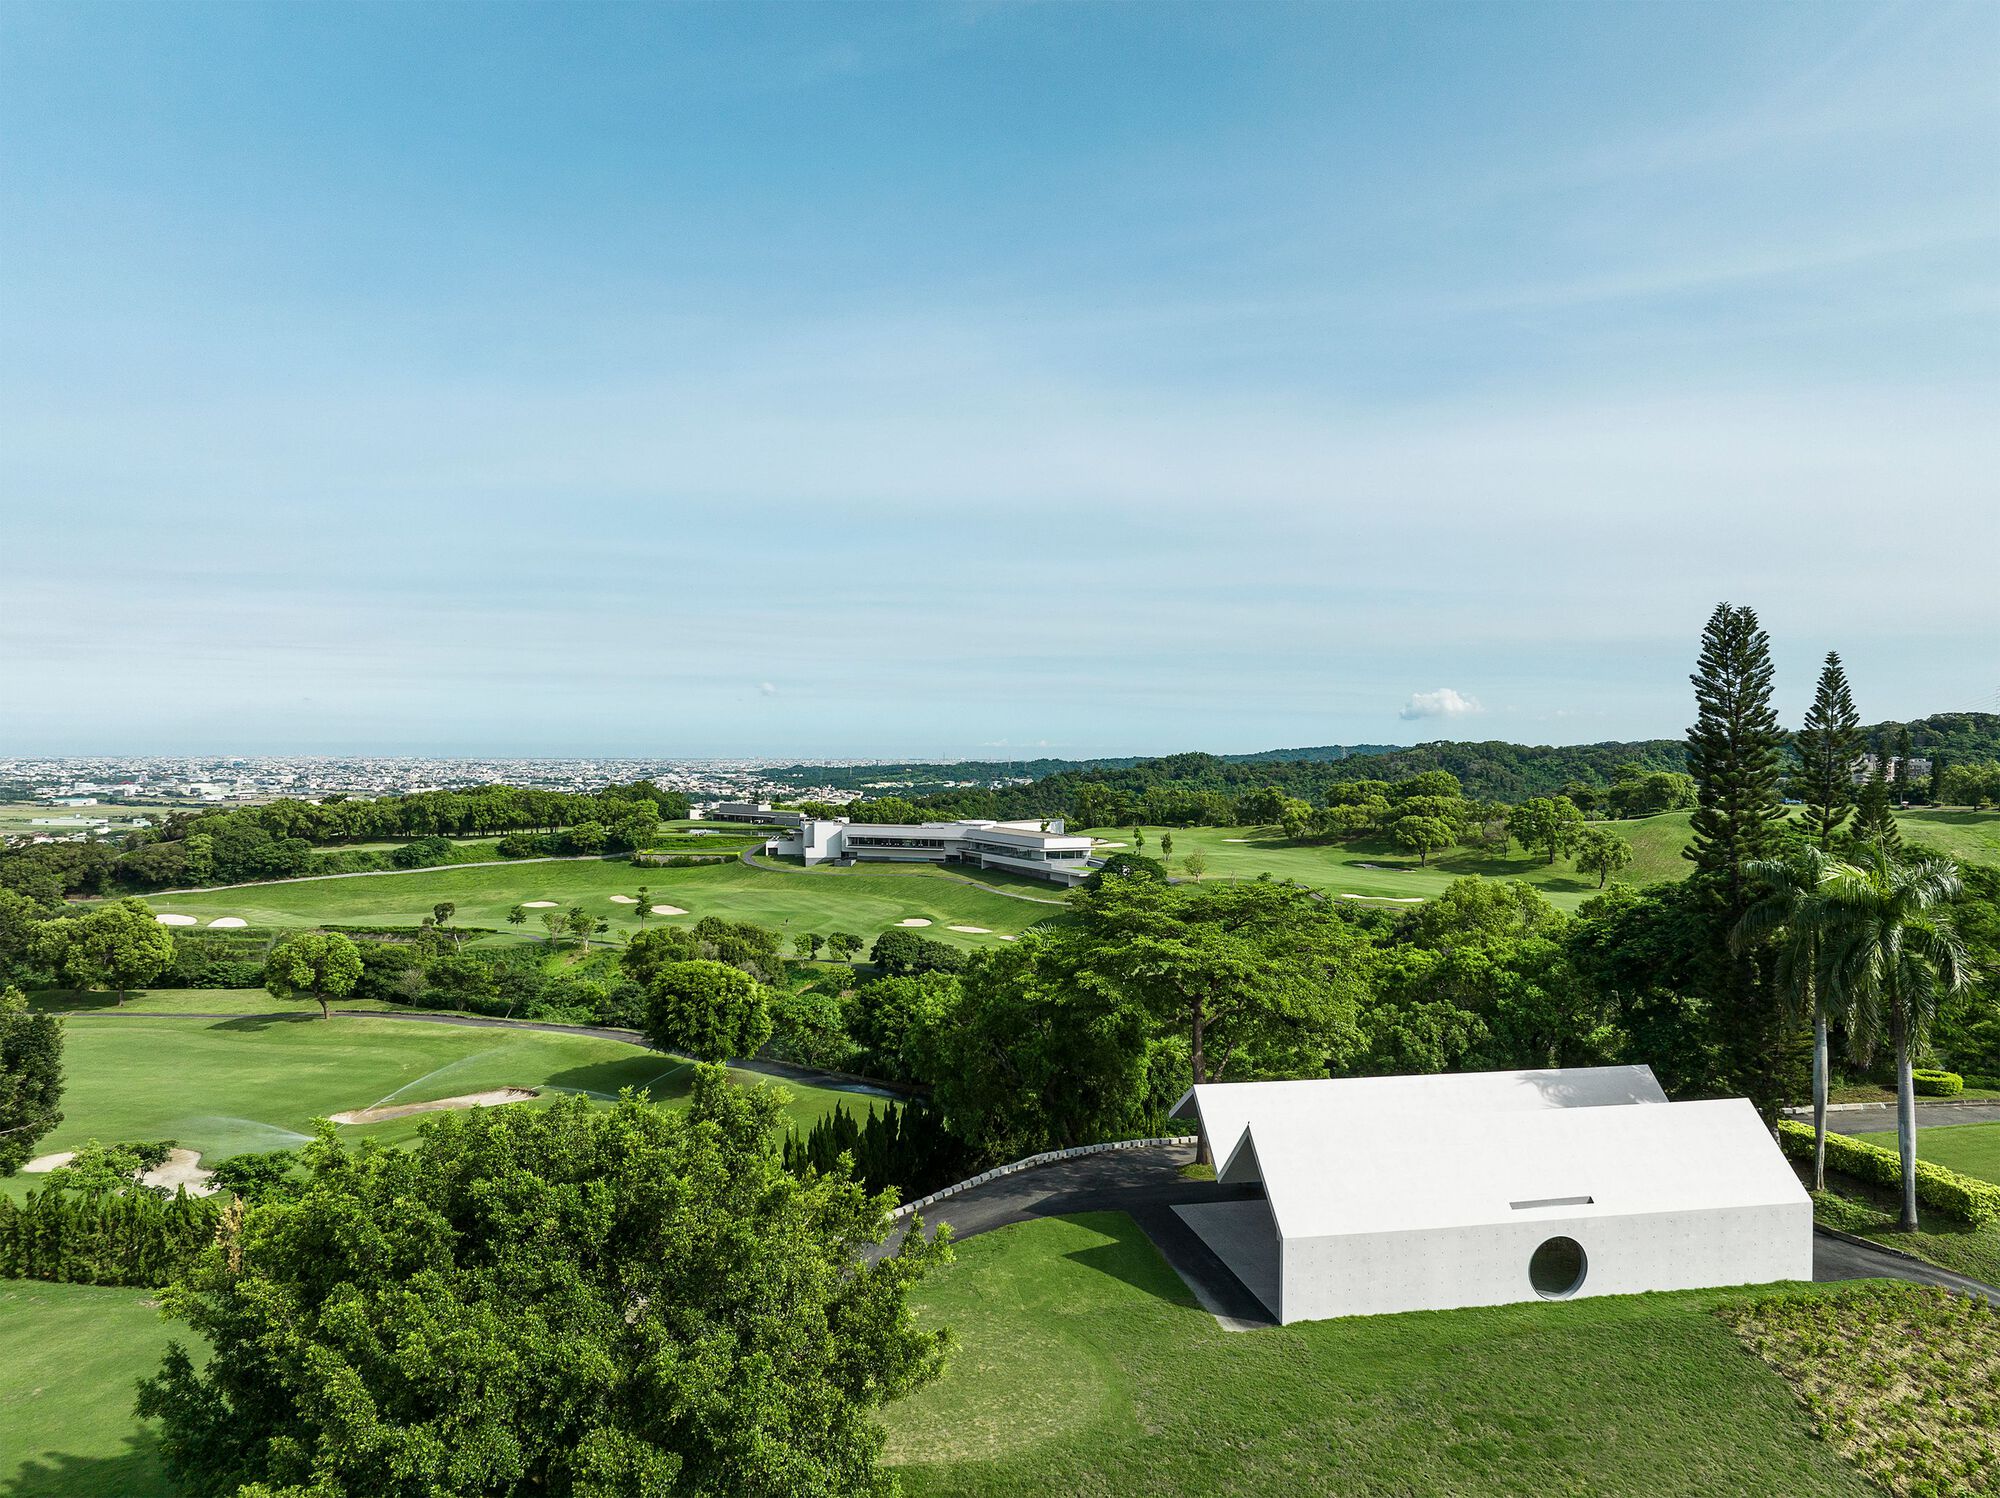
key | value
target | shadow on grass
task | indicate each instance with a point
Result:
(1128, 1256)
(133, 1473)
(609, 1078)
(255, 1022)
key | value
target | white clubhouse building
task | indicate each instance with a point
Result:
(1041, 850)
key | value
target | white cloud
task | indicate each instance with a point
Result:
(767, 688)
(1443, 703)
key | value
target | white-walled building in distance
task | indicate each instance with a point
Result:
(1041, 850)
(1389, 1194)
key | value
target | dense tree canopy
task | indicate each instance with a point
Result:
(117, 946)
(707, 1010)
(598, 1303)
(31, 1079)
(320, 965)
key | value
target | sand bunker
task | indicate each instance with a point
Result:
(175, 920)
(468, 1100)
(231, 921)
(1387, 899)
(538, 904)
(668, 910)
(1239, 839)
(180, 1168)
(623, 900)
(1098, 842)
(1007, 938)
(972, 930)
(914, 920)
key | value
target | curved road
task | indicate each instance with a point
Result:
(1146, 1184)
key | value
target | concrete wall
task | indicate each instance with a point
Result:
(1440, 1269)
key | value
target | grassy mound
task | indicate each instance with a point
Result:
(1086, 1368)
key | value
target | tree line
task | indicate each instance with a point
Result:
(288, 838)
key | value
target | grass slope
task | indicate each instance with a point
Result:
(237, 1086)
(1378, 869)
(791, 901)
(70, 1356)
(1086, 1369)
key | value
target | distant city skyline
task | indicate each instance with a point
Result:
(987, 381)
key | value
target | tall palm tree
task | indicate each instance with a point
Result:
(1794, 912)
(1892, 952)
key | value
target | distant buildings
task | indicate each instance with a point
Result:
(1041, 850)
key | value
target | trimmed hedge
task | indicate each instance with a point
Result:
(128, 1238)
(1937, 1083)
(1975, 1201)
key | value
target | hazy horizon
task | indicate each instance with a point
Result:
(944, 382)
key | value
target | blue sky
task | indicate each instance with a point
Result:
(976, 380)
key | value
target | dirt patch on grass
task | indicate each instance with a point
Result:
(492, 1099)
(1902, 1380)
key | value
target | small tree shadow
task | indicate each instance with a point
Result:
(58, 1474)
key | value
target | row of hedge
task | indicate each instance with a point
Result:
(122, 1238)
(1975, 1201)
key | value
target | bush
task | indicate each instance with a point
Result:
(424, 853)
(110, 1238)
(1938, 1083)
(901, 954)
(1974, 1201)
(1984, 1084)
(907, 1148)
(807, 1029)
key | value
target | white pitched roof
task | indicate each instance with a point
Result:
(1393, 1154)
(1470, 1168)
(1335, 1106)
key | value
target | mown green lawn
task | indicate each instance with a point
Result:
(1971, 1149)
(236, 1086)
(790, 901)
(70, 1359)
(1969, 836)
(1085, 1368)
(1376, 869)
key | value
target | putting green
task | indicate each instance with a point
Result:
(791, 901)
(249, 1084)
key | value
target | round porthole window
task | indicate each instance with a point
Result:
(1558, 1268)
